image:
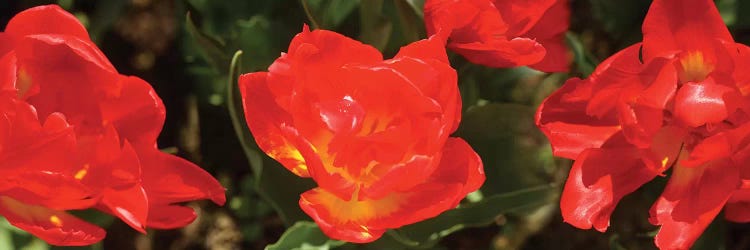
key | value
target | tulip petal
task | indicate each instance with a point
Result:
(138, 113)
(596, 183)
(170, 217)
(363, 220)
(524, 15)
(699, 103)
(691, 200)
(46, 19)
(265, 119)
(563, 119)
(673, 25)
(170, 179)
(129, 204)
(54, 227)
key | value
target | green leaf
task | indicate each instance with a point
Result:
(417, 6)
(410, 20)
(427, 233)
(211, 48)
(304, 235)
(272, 181)
(329, 14)
(582, 58)
(104, 16)
(511, 147)
(375, 28)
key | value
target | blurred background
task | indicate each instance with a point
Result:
(185, 49)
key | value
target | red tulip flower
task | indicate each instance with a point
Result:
(503, 33)
(673, 106)
(373, 133)
(51, 68)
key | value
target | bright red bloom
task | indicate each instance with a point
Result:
(372, 133)
(51, 66)
(677, 101)
(504, 33)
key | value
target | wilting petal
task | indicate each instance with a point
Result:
(691, 200)
(596, 183)
(54, 227)
(673, 25)
(47, 19)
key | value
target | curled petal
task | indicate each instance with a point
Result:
(54, 227)
(596, 183)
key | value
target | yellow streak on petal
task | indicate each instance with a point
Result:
(356, 210)
(55, 220)
(664, 162)
(694, 67)
(82, 173)
(292, 153)
(23, 84)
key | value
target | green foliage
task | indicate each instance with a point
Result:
(304, 235)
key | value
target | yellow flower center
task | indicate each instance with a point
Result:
(694, 67)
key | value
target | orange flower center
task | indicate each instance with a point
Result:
(694, 67)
